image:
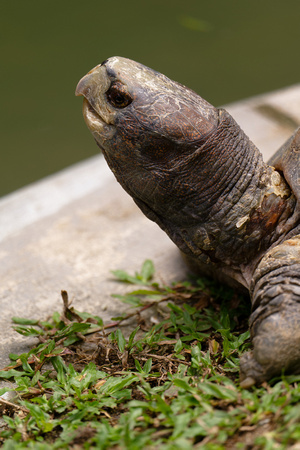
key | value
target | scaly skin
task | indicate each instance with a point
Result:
(192, 170)
(275, 320)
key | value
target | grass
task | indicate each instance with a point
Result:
(169, 380)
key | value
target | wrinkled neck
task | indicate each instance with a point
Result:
(249, 209)
(211, 177)
(234, 204)
(230, 162)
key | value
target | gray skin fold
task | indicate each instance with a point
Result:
(192, 170)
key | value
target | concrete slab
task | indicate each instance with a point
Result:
(69, 230)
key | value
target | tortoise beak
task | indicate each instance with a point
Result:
(93, 87)
(92, 78)
(96, 112)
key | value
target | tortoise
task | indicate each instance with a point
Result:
(191, 169)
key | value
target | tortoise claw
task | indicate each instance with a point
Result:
(251, 372)
(247, 383)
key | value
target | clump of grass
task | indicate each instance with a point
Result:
(169, 385)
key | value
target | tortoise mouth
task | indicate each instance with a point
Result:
(101, 130)
(91, 116)
(89, 112)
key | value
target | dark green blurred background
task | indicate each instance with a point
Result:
(224, 49)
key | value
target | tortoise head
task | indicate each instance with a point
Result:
(149, 128)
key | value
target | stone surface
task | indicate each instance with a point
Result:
(69, 230)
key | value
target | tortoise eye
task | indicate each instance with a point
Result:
(118, 96)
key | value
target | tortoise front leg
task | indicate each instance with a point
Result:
(275, 320)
